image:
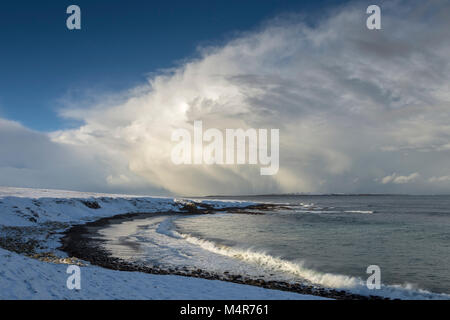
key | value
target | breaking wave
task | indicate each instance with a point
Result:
(359, 211)
(312, 208)
(297, 269)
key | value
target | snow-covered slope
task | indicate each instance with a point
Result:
(35, 210)
(26, 207)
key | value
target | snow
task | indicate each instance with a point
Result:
(21, 206)
(22, 277)
(26, 278)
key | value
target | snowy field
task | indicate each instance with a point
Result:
(43, 213)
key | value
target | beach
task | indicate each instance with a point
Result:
(32, 221)
(287, 248)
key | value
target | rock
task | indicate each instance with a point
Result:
(91, 204)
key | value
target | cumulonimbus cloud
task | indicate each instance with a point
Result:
(353, 105)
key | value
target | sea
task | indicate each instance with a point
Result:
(331, 241)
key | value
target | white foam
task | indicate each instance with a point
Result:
(359, 211)
(329, 280)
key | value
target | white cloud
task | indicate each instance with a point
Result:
(439, 179)
(394, 178)
(349, 102)
(31, 159)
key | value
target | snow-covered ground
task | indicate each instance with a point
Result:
(28, 207)
(22, 277)
(26, 278)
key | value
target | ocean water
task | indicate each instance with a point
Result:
(322, 240)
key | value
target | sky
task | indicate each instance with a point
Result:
(359, 111)
(120, 43)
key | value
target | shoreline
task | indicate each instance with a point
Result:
(32, 222)
(80, 241)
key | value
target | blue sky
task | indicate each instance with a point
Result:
(119, 44)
